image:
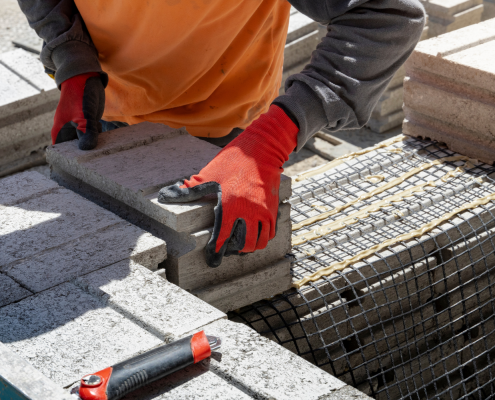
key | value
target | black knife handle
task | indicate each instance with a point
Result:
(115, 382)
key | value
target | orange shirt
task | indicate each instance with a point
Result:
(208, 65)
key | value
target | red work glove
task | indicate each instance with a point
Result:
(79, 110)
(246, 177)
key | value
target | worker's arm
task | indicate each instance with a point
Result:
(70, 53)
(366, 43)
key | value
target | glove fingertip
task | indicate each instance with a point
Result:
(213, 259)
(172, 194)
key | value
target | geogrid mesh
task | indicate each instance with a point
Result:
(413, 320)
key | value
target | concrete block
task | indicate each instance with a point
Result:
(299, 26)
(50, 235)
(11, 291)
(21, 187)
(448, 93)
(488, 10)
(132, 193)
(87, 253)
(244, 290)
(299, 50)
(244, 350)
(448, 23)
(66, 333)
(383, 124)
(329, 147)
(148, 300)
(390, 102)
(19, 379)
(142, 146)
(28, 98)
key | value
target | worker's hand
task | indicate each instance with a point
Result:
(81, 105)
(246, 177)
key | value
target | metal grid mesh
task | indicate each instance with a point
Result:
(414, 320)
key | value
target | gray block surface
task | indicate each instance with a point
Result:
(11, 291)
(17, 373)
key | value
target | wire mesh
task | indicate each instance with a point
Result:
(412, 320)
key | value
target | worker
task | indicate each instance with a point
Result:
(215, 67)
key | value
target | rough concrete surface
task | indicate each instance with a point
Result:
(28, 98)
(11, 291)
(150, 301)
(448, 93)
(50, 235)
(16, 372)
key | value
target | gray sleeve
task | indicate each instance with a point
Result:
(68, 49)
(366, 43)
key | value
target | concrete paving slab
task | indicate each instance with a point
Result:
(448, 91)
(11, 291)
(19, 379)
(328, 146)
(106, 168)
(21, 187)
(299, 26)
(299, 50)
(149, 300)
(28, 98)
(66, 333)
(87, 253)
(243, 350)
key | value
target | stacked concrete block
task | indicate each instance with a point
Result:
(124, 174)
(411, 304)
(28, 98)
(302, 38)
(449, 91)
(388, 113)
(448, 15)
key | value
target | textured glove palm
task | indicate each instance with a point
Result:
(245, 175)
(79, 110)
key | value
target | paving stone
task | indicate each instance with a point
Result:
(390, 102)
(384, 124)
(11, 291)
(244, 290)
(188, 268)
(243, 350)
(28, 98)
(488, 10)
(148, 300)
(448, 16)
(88, 253)
(21, 187)
(16, 372)
(448, 93)
(143, 145)
(66, 333)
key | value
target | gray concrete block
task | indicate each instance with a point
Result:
(148, 300)
(187, 267)
(387, 122)
(66, 333)
(28, 98)
(87, 253)
(244, 290)
(300, 49)
(390, 102)
(27, 381)
(299, 26)
(21, 187)
(106, 168)
(274, 372)
(11, 291)
(47, 221)
(438, 26)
